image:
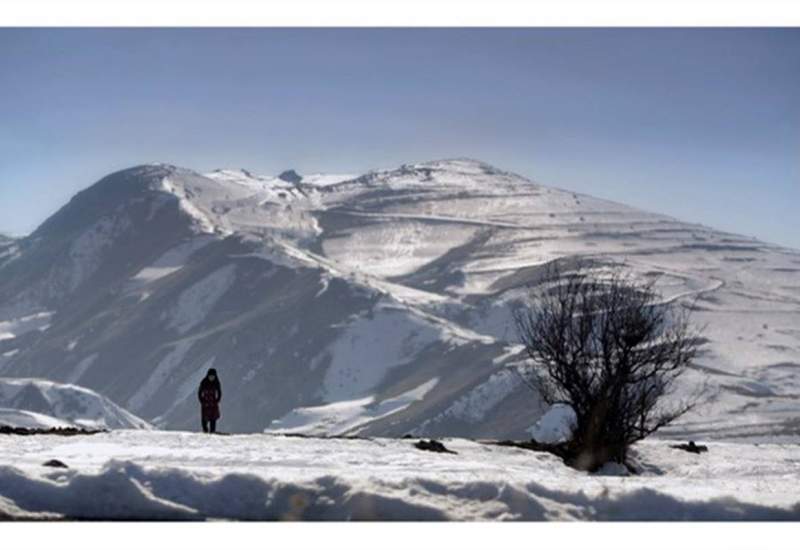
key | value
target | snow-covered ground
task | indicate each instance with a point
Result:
(131, 474)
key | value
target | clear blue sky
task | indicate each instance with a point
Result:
(701, 124)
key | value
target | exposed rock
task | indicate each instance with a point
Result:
(691, 447)
(433, 445)
(290, 176)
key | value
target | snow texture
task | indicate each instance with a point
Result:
(18, 418)
(556, 425)
(171, 261)
(195, 303)
(156, 380)
(181, 476)
(15, 327)
(87, 250)
(343, 417)
(474, 405)
(371, 347)
(81, 368)
(26, 400)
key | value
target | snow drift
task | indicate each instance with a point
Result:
(180, 476)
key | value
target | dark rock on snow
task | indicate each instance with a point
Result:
(432, 445)
(691, 447)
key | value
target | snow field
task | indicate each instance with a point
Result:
(195, 303)
(342, 417)
(370, 348)
(185, 476)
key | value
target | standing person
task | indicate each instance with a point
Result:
(209, 394)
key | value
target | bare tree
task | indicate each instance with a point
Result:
(610, 347)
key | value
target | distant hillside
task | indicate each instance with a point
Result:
(32, 403)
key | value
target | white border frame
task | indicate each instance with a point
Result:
(399, 13)
(370, 13)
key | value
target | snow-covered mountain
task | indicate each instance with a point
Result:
(33, 403)
(377, 304)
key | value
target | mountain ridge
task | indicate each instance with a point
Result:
(376, 304)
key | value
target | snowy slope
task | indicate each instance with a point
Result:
(375, 304)
(32, 403)
(183, 476)
(8, 249)
(18, 418)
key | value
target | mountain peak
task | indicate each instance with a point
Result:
(101, 199)
(141, 174)
(290, 176)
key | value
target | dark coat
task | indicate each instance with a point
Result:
(209, 394)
